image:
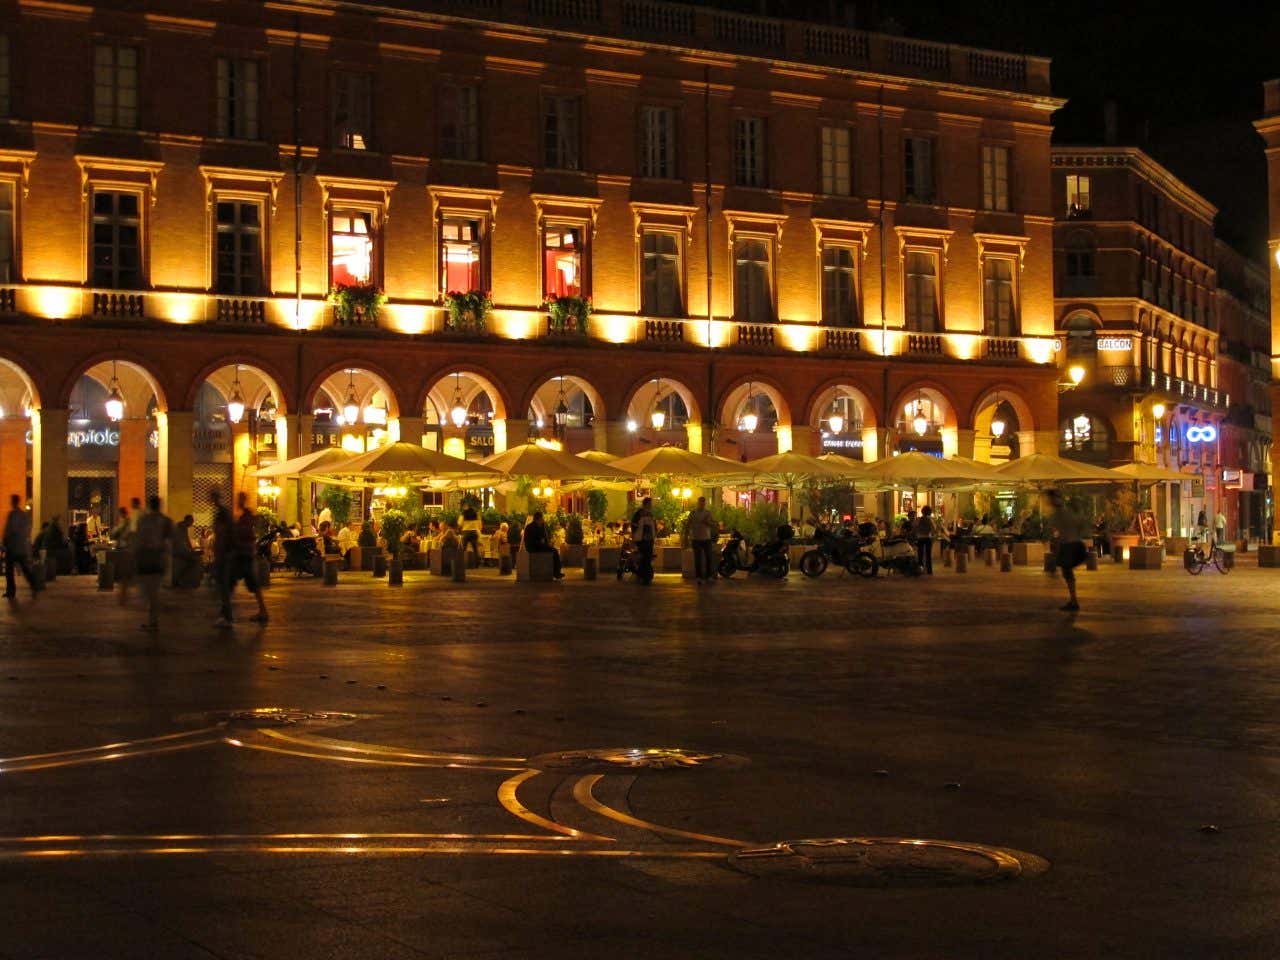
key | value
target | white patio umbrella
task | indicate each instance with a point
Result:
(317, 461)
(597, 456)
(678, 462)
(914, 470)
(408, 460)
(533, 460)
(1150, 473)
(1045, 470)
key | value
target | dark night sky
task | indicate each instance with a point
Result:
(1187, 86)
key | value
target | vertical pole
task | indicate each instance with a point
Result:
(708, 416)
(297, 175)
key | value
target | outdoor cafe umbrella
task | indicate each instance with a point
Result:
(791, 469)
(915, 469)
(1150, 473)
(1044, 470)
(410, 460)
(678, 462)
(534, 460)
(597, 456)
(317, 461)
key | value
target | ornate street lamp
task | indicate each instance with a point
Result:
(458, 414)
(659, 416)
(115, 399)
(235, 403)
(920, 422)
(351, 406)
(750, 419)
(561, 413)
(997, 422)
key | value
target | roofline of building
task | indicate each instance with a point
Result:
(1041, 101)
(1140, 160)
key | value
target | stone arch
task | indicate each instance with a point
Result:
(577, 378)
(642, 392)
(820, 401)
(271, 381)
(1006, 393)
(437, 390)
(737, 391)
(95, 365)
(377, 375)
(933, 391)
(16, 385)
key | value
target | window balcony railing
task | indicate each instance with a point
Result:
(664, 331)
(118, 304)
(928, 344)
(241, 311)
(841, 340)
(755, 334)
(1002, 348)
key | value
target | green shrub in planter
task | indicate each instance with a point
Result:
(394, 524)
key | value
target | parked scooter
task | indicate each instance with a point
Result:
(842, 548)
(770, 558)
(895, 554)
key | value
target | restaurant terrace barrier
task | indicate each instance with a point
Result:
(1006, 563)
(1268, 555)
(1028, 553)
(379, 564)
(962, 561)
(1146, 558)
(1176, 546)
(1091, 559)
(106, 571)
(669, 559)
(534, 567)
(459, 570)
(606, 557)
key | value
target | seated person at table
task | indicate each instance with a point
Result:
(536, 541)
(449, 537)
(368, 539)
(984, 534)
(346, 539)
(410, 542)
(326, 534)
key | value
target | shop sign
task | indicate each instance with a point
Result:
(1205, 433)
(842, 443)
(1115, 343)
(1233, 479)
(1197, 485)
(93, 437)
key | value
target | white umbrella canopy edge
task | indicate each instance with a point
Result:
(533, 460)
(317, 461)
(1045, 469)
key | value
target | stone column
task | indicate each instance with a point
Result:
(49, 464)
(1037, 441)
(804, 440)
(241, 454)
(507, 433)
(13, 459)
(965, 443)
(875, 441)
(612, 436)
(698, 437)
(408, 430)
(131, 471)
(176, 459)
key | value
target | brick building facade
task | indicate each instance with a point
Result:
(770, 218)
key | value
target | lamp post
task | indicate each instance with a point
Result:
(115, 399)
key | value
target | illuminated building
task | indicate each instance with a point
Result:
(1269, 128)
(179, 196)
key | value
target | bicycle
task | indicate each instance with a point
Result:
(1195, 559)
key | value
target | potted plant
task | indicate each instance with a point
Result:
(574, 551)
(338, 500)
(467, 312)
(568, 314)
(357, 303)
(394, 523)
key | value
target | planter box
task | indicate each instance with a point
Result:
(572, 554)
(669, 559)
(442, 560)
(1176, 546)
(355, 559)
(1029, 553)
(606, 558)
(534, 567)
(1146, 558)
(1268, 555)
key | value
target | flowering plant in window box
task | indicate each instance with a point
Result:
(568, 314)
(468, 311)
(357, 302)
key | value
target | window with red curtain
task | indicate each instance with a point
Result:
(562, 261)
(460, 255)
(351, 242)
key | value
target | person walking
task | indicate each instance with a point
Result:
(644, 531)
(1070, 528)
(245, 556)
(1202, 526)
(925, 531)
(223, 536)
(153, 540)
(537, 541)
(1219, 527)
(701, 527)
(471, 527)
(17, 548)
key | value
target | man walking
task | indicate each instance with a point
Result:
(223, 546)
(244, 560)
(17, 548)
(153, 540)
(1219, 527)
(925, 530)
(644, 531)
(1071, 552)
(702, 528)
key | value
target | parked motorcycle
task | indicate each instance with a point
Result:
(770, 559)
(636, 562)
(842, 548)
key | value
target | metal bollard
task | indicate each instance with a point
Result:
(460, 568)
(989, 556)
(379, 564)
(330, 573)
(590, 567)
(1006, 563)
(504, 565)
(1091, 559)
(106, 573)
(946, 558)
(962, 561)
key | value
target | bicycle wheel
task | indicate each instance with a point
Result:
(1194, 561)
(1220, 561)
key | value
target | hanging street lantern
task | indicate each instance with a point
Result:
(115, 399)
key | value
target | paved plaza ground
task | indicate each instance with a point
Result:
(1127, 758)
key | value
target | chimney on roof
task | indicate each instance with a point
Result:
(1110, 123)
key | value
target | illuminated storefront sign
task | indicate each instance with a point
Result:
(1202, 434)
(1115, 343)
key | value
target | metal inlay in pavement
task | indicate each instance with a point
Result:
(887, 862)
(631, 760)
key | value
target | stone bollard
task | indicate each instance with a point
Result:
(962, 561)
(590, 568)
(1228, 559)
(989, 556)
(459, 568)
(395, 574)
(1006, 563)
(1050, 562)
(1091, 559)
(946, 558)
(504, 565)
(106, 572)
(331, 565)
(379, 564)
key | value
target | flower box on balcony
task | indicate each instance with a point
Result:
(467, 312)
(567, 316)
(357, 304)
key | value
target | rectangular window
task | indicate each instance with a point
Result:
(836, 179)
(562, 261)
(238, 98)
(239, 246)
(839, 286)
(115, 86)
(661, 295)
(351, 239)
(460, 253)
(658, 142)
(748, 152)
(995, 179)
(8, 270)
(6, 71)
(353, 110)
(999, 305)
(922, 292)
(1077, 195)
(753, 279)
(116, 241)
(561, 132)
(459, 122)
(917, 170)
